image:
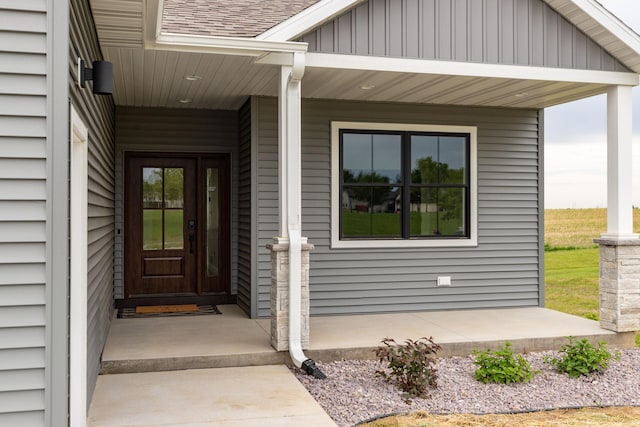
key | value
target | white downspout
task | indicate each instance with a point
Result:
(292, 133)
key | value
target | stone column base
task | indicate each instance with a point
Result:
(619, 284)
(280, 293)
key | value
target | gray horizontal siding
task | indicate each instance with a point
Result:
(503, 271)
(23, 195)
(178, 130)
(97, 112)
(511, 32)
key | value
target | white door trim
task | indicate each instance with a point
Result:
(78, 272)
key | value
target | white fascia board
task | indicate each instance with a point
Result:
(610, 23)
(308, 19)
(223, 45)
(464, 69)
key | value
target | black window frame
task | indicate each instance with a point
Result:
(406, 185)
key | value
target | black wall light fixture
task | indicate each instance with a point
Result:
(101, 74)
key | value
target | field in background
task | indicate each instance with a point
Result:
(571, 259)
(576, 228)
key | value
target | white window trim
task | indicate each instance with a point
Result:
(402, 243)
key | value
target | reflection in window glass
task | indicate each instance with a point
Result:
(151, 229)
(173, 229)
(152, 188)
(374, 178)
(173, 188)
(451, 211)
(371, 158)
(424, 159)
(437, 212)
(213, 195)
(162, 208)
(452, 159)
(371, 211)
(356, 157)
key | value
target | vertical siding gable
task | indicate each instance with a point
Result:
(23, 195)
(510, 32)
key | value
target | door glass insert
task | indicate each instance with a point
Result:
(162, 208)
(213, 212)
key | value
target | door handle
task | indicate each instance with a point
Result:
(191, 225)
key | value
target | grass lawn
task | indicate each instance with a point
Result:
(572, 259)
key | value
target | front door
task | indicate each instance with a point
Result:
(176, 228)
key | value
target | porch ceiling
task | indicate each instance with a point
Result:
(157, 78)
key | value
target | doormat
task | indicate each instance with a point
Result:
(167, 311)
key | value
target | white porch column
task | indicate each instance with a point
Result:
(619, 164)
(619, 246)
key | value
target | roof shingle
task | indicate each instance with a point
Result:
(228, 18)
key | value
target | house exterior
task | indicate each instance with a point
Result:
(371, 155)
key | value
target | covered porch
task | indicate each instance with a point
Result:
(232, 339)
(156, 358)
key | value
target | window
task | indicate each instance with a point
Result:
(403, 185)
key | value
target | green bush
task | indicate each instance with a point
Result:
(502, 366)
(412, 365)
(582, 358)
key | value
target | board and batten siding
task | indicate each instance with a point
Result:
(502, 271)
(510, 32)
(23, 212)
(175, 130)
(97, 113)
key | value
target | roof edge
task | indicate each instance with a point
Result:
(311, 17)
(226, 45)
(611, 22)
(607, 21)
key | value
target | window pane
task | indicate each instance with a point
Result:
(437, 212)
(424, 212)
(173, 229)
(356, 157)
(451, 211)
(151, 229)
(387, 153)
(213, 191)
(371, 212)
(424, 159)
(173, 188)
(152, 188)
(452, 159)
(371, 158)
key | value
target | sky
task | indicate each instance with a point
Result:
(576, 140)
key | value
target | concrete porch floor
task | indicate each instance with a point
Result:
(232, 339)
(162, 367)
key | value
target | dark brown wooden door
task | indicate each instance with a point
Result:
(177, 228)
(160, 226)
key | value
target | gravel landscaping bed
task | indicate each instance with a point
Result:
(352, 393)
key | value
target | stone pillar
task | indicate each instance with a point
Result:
(280, 293)
(619, 284)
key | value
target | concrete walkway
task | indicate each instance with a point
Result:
(161, 368)
(249, 396)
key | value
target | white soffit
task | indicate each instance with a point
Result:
(118, 22)
(603, 27)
